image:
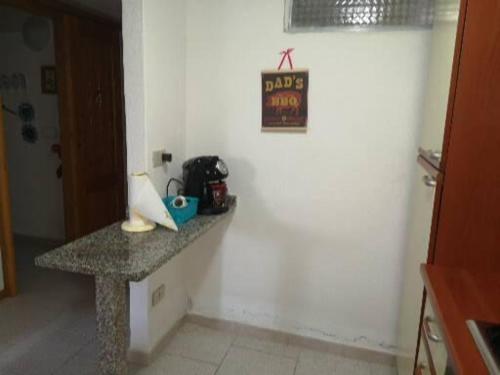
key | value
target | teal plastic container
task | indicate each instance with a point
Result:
(184, 214)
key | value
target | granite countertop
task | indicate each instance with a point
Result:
(133, 256)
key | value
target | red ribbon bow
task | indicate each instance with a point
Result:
(287, 55)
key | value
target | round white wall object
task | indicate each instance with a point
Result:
(36, 33)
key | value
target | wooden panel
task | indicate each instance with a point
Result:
(6, 239)
(468, 232)
(454, 79)
(92, 126)
(448, 127)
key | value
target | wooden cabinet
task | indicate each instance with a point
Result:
(428, 176)
(457, 295)
(432, 342)
(465, 235)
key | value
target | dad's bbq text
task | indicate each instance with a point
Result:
(284, 100)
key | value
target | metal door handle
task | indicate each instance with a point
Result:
(431, 156)
(427, 329)
(436, 155)
(429, 181)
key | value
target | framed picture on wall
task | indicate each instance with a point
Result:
(49, 80)
(285, 100)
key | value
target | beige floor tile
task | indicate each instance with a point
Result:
(316, 363)
(39, 355)
(378, 369)
(199, 343)
(348, 366)
(83, 363)
(171, 364)
(267, 346)
(49, 321)
(241, 361)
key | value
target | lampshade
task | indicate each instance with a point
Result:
(145, 206)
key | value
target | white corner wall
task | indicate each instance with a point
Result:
(165, 87)
(134, 87)
(154, 68)
(317, 242)
(36, 192)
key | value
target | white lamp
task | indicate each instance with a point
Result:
(145, 206)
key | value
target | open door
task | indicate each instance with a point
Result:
(88, 55)
(7, 257)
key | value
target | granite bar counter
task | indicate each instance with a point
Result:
(115, 257)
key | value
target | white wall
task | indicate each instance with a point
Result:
(154, 67)
(316, 244)
(36, 192)
(164, 72)
(148, 324)
(133, 71)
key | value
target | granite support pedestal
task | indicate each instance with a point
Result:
(115, 258)
(113, 331)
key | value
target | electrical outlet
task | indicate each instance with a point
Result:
(157, 158)
(158, 295)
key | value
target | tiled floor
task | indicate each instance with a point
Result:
(50, 329)
(50, 321)
(197, 350)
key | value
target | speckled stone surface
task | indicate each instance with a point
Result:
(113, 330)
(115, 257)
(128, 256)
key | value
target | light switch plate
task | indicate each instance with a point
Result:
(157, 160)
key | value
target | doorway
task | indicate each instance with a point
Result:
(32, 133)
(63, 129)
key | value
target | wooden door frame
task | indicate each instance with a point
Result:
(69, 146)
(55, 10)
(6, 239)
(74, 31)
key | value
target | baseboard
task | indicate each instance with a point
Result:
(292, 339)
(145, 359)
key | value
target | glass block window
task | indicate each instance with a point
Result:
(304, 15)
(446, 10)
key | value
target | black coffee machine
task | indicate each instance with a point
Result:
(204, 178)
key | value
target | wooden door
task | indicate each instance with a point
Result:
(468, 231)
(92, 128)
(7, 262)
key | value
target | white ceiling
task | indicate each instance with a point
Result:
(11, 19)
